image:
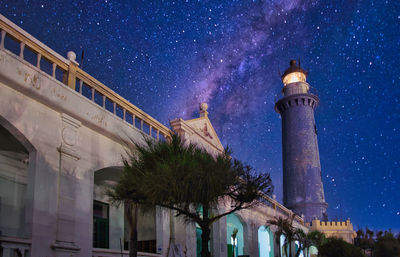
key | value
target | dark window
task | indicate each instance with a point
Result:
(100, 224)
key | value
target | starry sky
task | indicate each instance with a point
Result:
(166, 57)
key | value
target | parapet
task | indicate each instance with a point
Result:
(340, 229)
(330, 224)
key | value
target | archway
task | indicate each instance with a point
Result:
(15, 152)
(297, 246)
(110, 226)
(233, 222)
(265, 242)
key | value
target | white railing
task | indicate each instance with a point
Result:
(279, 208)
(15, 40)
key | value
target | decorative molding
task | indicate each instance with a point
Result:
(68, 151)
(70, 247)
(205, 131)
(69, 135)
(179, 125)
(71, 121)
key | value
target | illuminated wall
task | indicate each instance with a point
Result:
(232, 222)
(265, 242)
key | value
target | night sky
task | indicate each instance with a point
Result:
(166, 57)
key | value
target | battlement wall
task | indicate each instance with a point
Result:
(334, 225)
(340, 229)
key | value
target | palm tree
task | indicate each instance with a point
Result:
(366, 241)
(312, 238)
(304, 242)
(191, 181)
(122, 193)
(370, 240)
(285, 227)
(317, 238)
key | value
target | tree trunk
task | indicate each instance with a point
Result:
(205, 233)
(205, 238)
(131, 215)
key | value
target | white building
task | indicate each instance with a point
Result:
(62, 135)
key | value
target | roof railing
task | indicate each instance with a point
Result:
(281, 209)
(25, 46)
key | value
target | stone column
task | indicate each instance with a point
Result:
(248, 235)
(65, 245)
(253, 241)
(218, 237)
(163, 230)
(70, 78)
(224, 246)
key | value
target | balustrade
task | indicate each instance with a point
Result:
(279, 208)
(67, 71)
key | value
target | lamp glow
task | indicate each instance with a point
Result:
(294, 77)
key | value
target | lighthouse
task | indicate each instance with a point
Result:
(303, 191)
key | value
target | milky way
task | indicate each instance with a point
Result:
(166, 57)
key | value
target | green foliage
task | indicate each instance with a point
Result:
(365, 240)
(334, 247)
(317, 238)
(387, 245)
(285, 227)
(312, 238)
(184, 177)
(379, 243)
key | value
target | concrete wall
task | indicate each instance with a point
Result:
(71, 138)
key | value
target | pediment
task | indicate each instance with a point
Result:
(198, 131)
(203, 127)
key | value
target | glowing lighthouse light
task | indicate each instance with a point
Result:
(294, 74)
(294, 77)
(294, 80)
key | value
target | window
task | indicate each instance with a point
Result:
(14, 160)
(100, 225)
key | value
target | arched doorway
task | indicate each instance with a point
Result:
(297, 246)
(14, 163)
(233, 222)
(265, 242)
(110, 224)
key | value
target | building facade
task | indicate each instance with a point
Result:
(62, 135)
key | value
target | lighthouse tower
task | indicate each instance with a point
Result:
(303, 191)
